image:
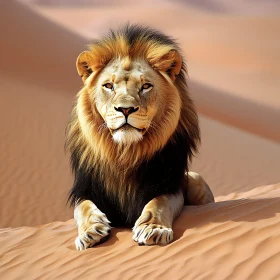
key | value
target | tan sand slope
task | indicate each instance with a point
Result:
(233, 239)
(35, 102)
(232, 57)
(236, 238)
(38, 82)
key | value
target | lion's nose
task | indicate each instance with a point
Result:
(127, 111)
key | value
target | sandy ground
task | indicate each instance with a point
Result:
(233, 239)
(234, 79)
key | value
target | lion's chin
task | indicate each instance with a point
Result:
(127, 135)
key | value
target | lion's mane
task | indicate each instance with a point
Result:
(120, 180)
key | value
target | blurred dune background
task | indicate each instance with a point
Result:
(232, 50)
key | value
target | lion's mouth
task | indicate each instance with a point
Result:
(127, 127)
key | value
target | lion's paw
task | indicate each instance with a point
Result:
(152, 234)
(94, 232)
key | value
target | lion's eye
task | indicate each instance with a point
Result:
(146, 86)
(108, 85)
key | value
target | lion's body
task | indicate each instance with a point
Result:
(163, 174)
(134, 127)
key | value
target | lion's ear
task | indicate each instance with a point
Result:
(84, 65)
(171, 63)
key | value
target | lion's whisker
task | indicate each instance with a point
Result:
(102, 127)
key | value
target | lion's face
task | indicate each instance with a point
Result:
(130, 93)
(134, 100)
(127, 96)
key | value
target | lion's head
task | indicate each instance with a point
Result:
(131, 97)
(133, 100)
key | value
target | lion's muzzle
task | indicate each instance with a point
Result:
(127, 124)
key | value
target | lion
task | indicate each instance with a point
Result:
(132, 134)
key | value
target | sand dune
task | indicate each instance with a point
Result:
(38, 83)
(234, 238)
(37, 104)
(234, 57)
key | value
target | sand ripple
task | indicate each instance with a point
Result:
(233, 239)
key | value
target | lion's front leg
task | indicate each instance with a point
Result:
(154, 226)
(93, 225)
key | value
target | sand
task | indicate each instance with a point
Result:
(232, 239)
(232, 57)
(239, 157)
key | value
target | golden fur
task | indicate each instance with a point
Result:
(132, 133)
(87, 133)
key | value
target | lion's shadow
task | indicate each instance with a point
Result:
(241, 210)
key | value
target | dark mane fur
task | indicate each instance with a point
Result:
(163, 173)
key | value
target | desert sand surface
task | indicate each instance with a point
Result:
(239, 157)
(233, 239)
